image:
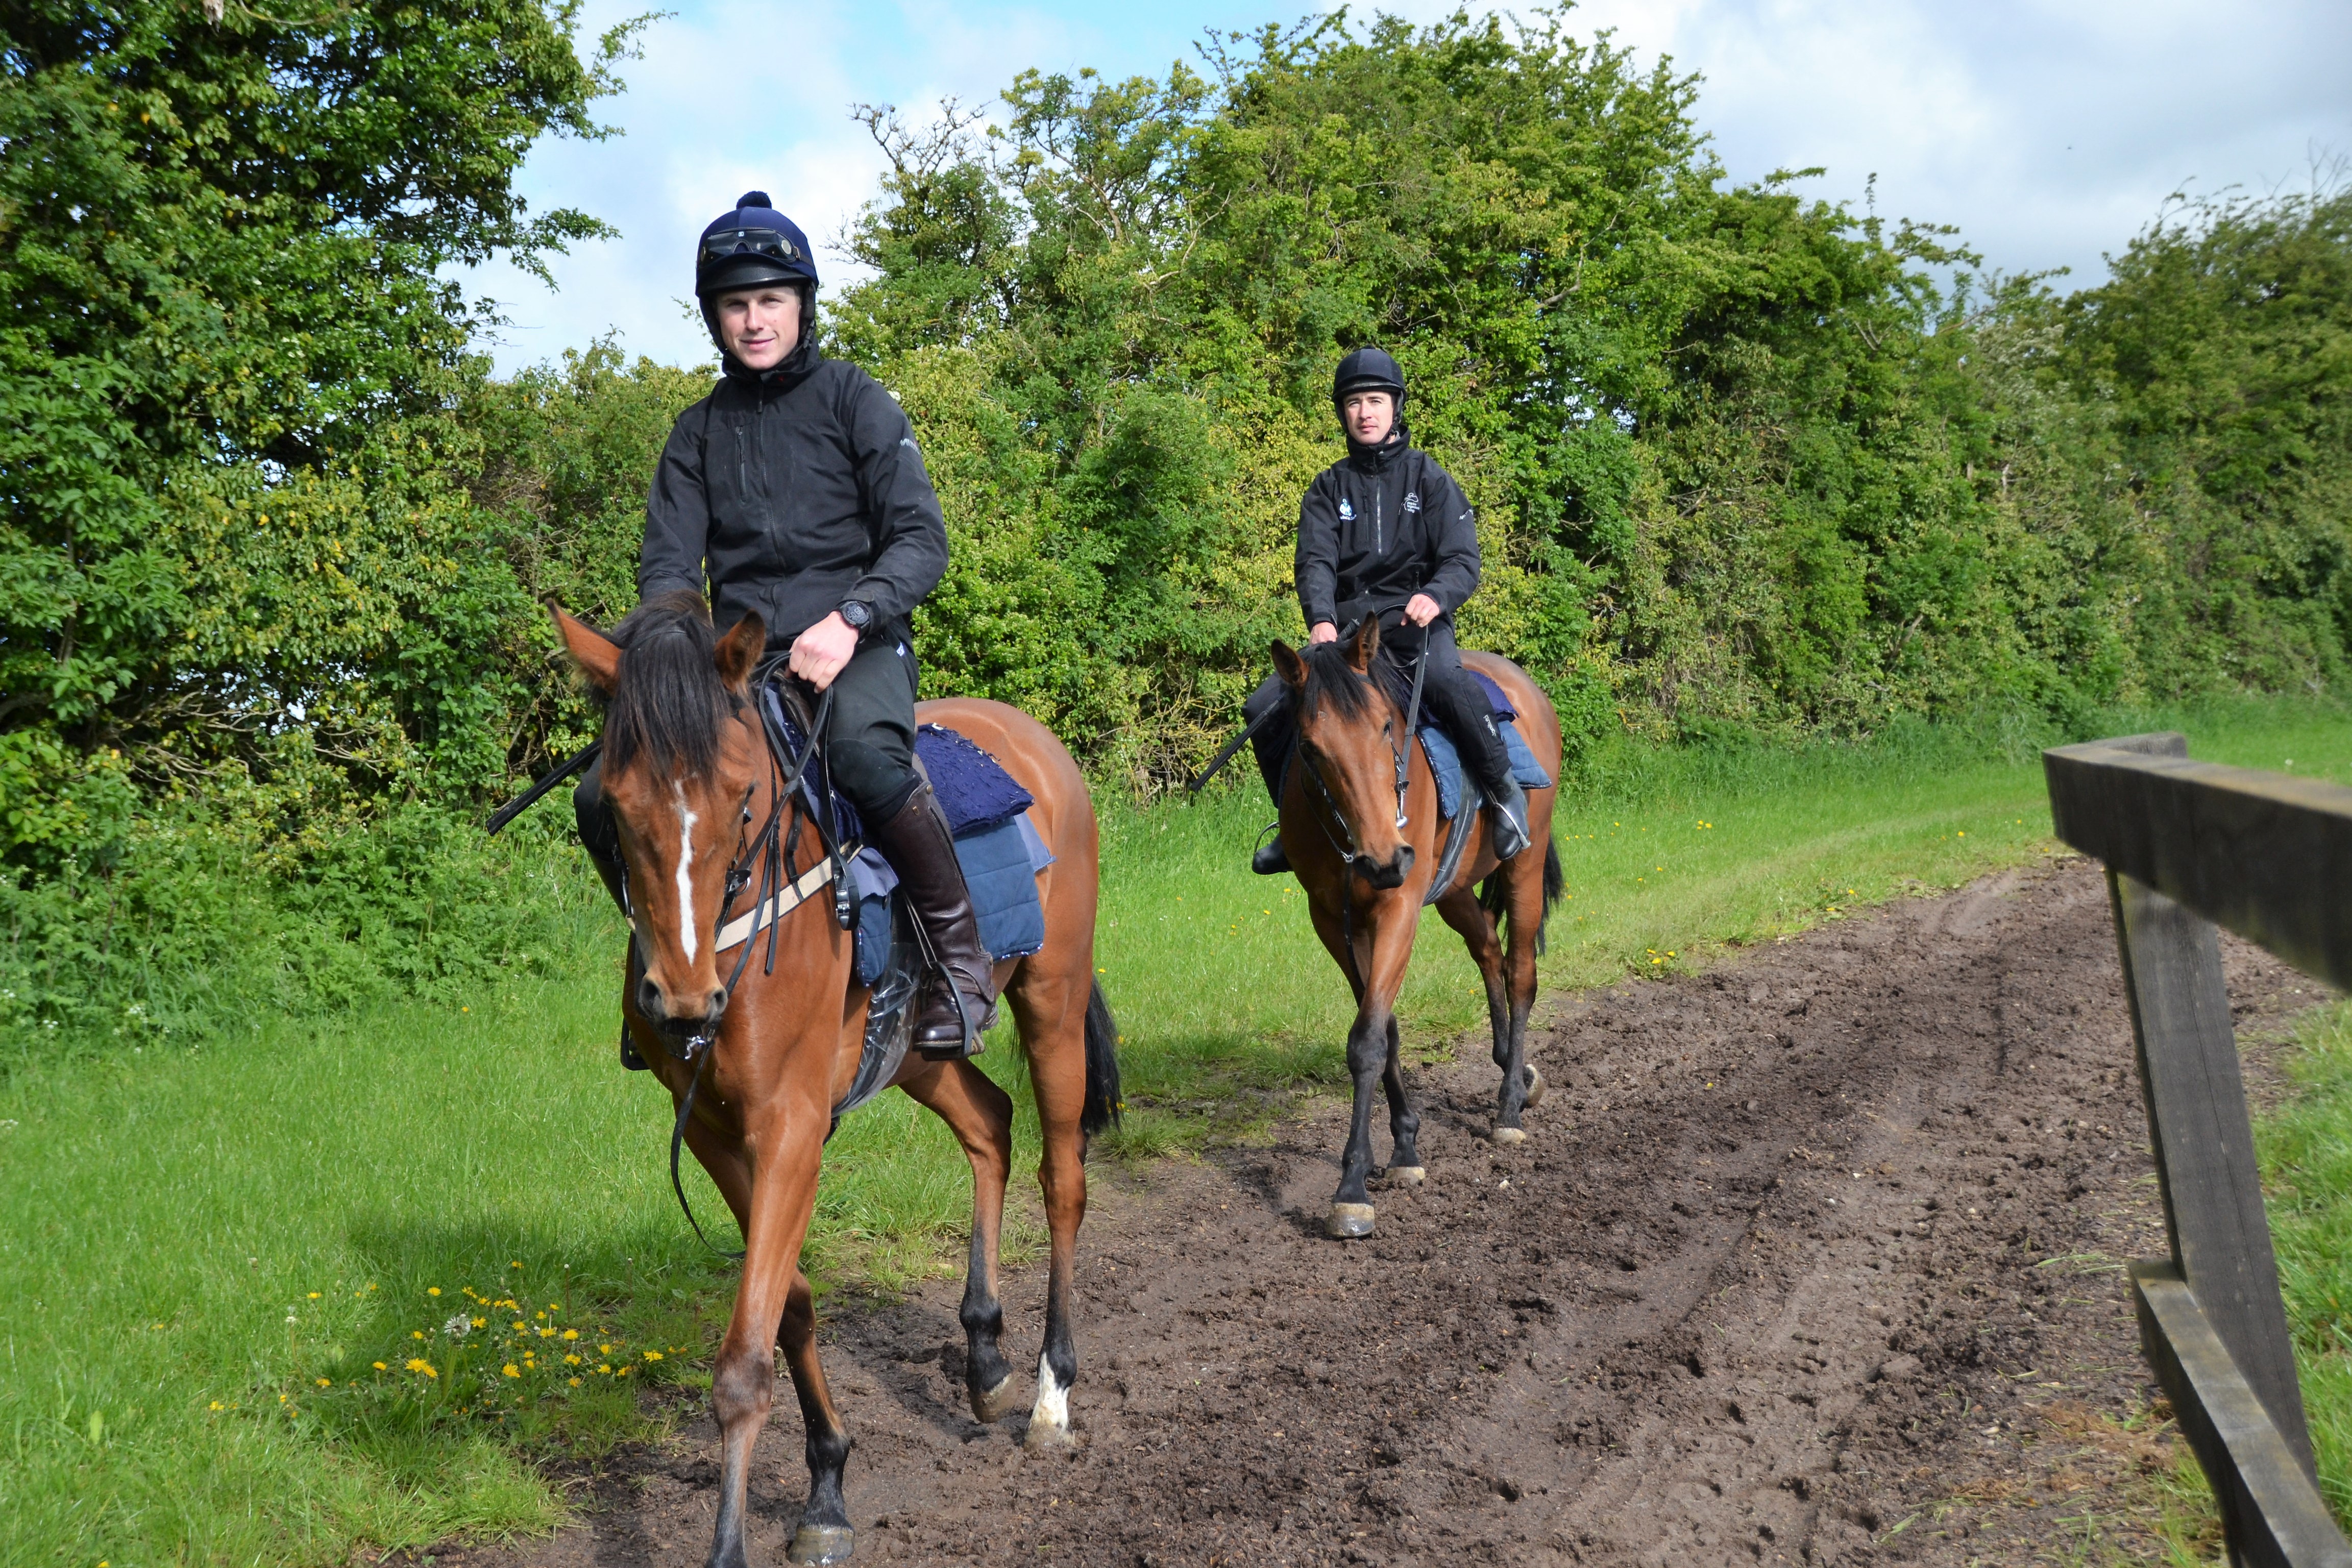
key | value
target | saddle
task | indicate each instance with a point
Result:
(999, 848)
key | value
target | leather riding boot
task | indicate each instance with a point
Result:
(1506, 818)
(1271, 860)
(916, 844)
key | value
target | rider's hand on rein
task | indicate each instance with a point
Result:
(820, 653)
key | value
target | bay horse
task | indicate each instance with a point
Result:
(690, 777)
(1367, 856)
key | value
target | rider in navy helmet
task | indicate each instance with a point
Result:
(1385, 532)
(795, 491)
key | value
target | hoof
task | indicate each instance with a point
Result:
(1348, 1221)
(1535, 1088)
(993, 1405)
(1046, 1437)
(820, 1543)
(1507, 1137)
(1406, 1175)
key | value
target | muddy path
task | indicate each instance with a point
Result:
(1811, 1257)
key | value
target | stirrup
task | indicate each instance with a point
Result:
(972, 1038)
(1506, 829)
(1270, 859)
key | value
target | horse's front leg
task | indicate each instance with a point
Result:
(1404, 1168)
(824, 1535)
(775, 1218)
(1371, 1043)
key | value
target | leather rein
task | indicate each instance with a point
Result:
(769, 855)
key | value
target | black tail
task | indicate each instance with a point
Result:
(1103, 1102)
(1491, 897)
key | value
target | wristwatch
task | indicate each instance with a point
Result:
(858, 615)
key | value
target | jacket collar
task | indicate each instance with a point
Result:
(794, 368)
(1376, 459)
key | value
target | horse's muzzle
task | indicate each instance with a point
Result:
(1392, 875)
(657, 1006)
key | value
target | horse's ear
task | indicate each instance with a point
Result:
(1289, 665)
(739, 649)
(1366, 643)
(598, 656)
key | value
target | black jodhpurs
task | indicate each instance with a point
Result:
(1450, 695)
(870, 738)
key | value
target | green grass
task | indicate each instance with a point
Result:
(170, 1210)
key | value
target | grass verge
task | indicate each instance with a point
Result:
(200, 1237)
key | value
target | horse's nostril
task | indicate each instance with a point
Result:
(649, 1000)
(717, 1006)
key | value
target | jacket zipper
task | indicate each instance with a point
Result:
(1379, 542)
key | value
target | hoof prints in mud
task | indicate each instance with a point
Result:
(1770, 1276)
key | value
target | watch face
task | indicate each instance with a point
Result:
(858, 615)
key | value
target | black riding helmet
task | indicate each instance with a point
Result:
(753, 245)
(1367, 367)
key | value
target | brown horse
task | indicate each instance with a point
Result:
(691, 779)
(1367, 858)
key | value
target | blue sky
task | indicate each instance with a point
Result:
(2049, 130)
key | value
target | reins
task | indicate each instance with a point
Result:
(771, 850)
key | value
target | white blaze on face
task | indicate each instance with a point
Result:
(685, 821)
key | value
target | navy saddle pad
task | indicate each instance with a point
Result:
(1445, 761)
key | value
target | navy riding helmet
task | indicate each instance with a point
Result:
(1367, 367)
(753, 245)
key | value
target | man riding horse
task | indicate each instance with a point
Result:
(796, 491)
(1385, 532)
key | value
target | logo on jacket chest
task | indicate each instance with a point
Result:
(1346, 510)
(1412, 501)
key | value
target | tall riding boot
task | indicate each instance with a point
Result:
(916, 844)
(603, 842)
(1507, 829)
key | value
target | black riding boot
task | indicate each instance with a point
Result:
(603, 842)
(1506, 818)
(916, 844)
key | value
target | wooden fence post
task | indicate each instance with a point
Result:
(2204, 1143)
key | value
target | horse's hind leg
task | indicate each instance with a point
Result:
(1467, 915)
(980, 1116)
(824, 1535)
(1052, 1012)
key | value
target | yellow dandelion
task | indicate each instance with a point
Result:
(481, 1322)
(418, 1364)
(216, 1404)
(326, 1383)
(511, 1370)
(416, 1333)
(572, 1383)
(433, 1290)
(571, 1333)
(379, 1366)
(572, 1361)
(314, 1295)
(605, 1367)
(652, 1355)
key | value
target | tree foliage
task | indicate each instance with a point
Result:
(232, 555)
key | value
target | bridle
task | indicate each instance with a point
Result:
(767, 854)
(1399, 753)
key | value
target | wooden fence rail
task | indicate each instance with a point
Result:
(2189, 846)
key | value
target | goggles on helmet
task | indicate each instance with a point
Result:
(733, 242)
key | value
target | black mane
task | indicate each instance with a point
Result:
(1331, 679)
(668, 701)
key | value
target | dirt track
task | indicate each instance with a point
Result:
(1767, 1282)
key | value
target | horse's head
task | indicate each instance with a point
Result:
(1350, 717)
(683, 757)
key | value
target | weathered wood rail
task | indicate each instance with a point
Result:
(2188, 847)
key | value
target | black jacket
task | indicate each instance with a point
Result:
(792, 491)
(1380, 527)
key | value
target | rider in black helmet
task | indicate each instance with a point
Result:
(795, 489)
(1388, 532)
